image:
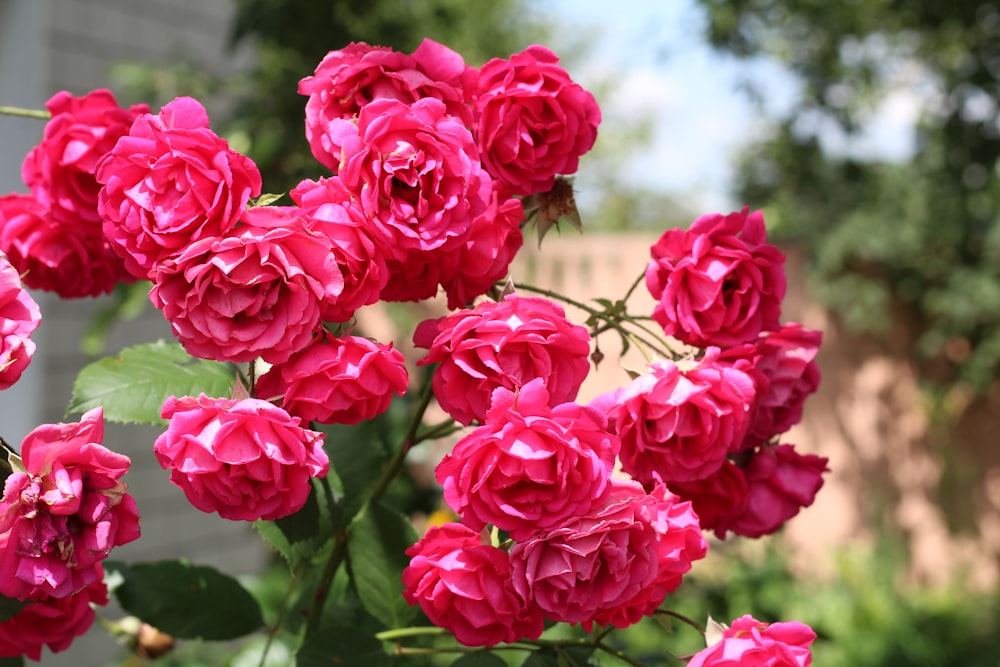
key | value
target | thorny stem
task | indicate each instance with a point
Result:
(340, 538)
(26, 113)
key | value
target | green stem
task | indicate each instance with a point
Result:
(26, 113)
(282, 610)
(682, 618)
(340, 538)
(565, 299)
(624, 657)
(315, 614)
(634, 285)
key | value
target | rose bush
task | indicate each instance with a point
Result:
(590, 515)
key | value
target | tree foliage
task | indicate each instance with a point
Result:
(887, 242)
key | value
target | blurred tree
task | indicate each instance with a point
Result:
(917, 241)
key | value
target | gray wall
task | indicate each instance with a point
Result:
(51, 45)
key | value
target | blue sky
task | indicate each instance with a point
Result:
(651, 54)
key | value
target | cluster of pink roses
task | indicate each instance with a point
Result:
(586, 547)
(429, 158)
(64, 508)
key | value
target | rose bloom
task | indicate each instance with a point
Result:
(415, 169)
(19, 317)
(464, 586)
(53, 236)
(677, 424)
(751, 642)
(61, 170)
(503, 344)
(532, 121)
(780, 482)
(347, 79)
(716, 498)
(328, 208)
(337, 380)
(51, 621)
(66, 511)
(788, 361)
(719, 282)
(679, 543)
(484, 257)
(245, 459)
(530, 467)
(593, 563)
(256, 292)
(170, 182)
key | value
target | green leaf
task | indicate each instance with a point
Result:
(12, 662)
(187, 601)
(9, 608)
(303, 535)
(133, 385)
(479, 659)
(376, 545)
(344, 647)
(265, 199)
(357, 453)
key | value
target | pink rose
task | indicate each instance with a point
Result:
(337, 380)
(788, 361)
(530, 467)
(348, 79)
(245, 459)
(416, 172)
(484, 257)
(328, 208)
(593, 563)
(716, 498)
(19, 317)
(60, 170)
(53, 622)
(532, 121)
(679, 543)
(66, 511)
(780, 483)
(751, 642)
(464, 586)
(678, 424)
(170, 182)
(503, 344)
(54, 235)
(719, 282)
(258, 291)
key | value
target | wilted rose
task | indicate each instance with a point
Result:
(65, 512)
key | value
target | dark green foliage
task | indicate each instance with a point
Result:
(915, 243)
